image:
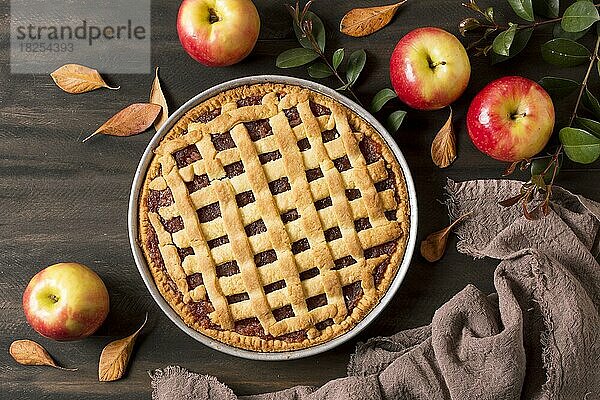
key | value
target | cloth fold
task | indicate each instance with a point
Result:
(537, 337)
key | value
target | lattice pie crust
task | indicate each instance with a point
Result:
(273, 218)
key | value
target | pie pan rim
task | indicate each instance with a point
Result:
(141, 263)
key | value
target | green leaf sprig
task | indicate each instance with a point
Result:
(506, 41)
(580, 144)
(311, 35)
(395, 119)
(580, 139)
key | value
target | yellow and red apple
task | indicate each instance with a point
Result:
(66, 301)
(218, 32)
(511, 119)
(429, 68)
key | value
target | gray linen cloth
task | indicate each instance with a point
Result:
(538, 337)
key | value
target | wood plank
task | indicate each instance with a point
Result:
(64, 200)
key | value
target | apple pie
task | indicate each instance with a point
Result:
(273, 218)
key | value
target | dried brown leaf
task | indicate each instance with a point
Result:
(130, 121)
(157, 97)
(28, 352)
(443, 147)
(364, 21)
(511, 168)
(434, 245)
(75, 79)
(531, 215)
(524, 164)
(115, 356)
(511, 201)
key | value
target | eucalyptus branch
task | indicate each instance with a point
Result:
(490, 25)
(305, 27)
(583, 85)
(526, 26)
(555, 158)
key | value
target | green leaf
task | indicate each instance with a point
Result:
(504, 40)
(467, 25)
(318, 31)
(565, 52)
(591, 103)
(579, 16)
(338, 57)
(382, 97)
(356, 63)
(538, 166)
(523, 8)
(295, 57)
(589, 125)
(580, 146)
(559, 32)
(558, 87)
(546, 8)
(395, 120)
(319, 70)
(519, 42)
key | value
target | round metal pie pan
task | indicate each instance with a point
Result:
(140, 260)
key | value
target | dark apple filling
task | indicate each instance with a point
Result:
(275, 286)
(159, 198)
(255, 228)
(342, 164)
(194, 281)
(229, 268)
(173, 225)
(371, 151)
(268, 157)
(209, 212)
(280, 185)
(293, 116)
(258, 129)
(332, 234)
(234, 169)
(187, 155)
(198, 183)
(265, 257)
(250, 101)
(244, 198)
(208, 116)
(314, 174)
(318, 109)
(222, 141)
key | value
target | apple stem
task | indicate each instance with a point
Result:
(518, 115)
(53, 298)
(212, 16)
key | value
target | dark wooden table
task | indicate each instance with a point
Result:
(61, 200)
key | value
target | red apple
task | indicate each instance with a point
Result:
(66, 301)
(218, 32)
(429, 69)
(511, 119)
